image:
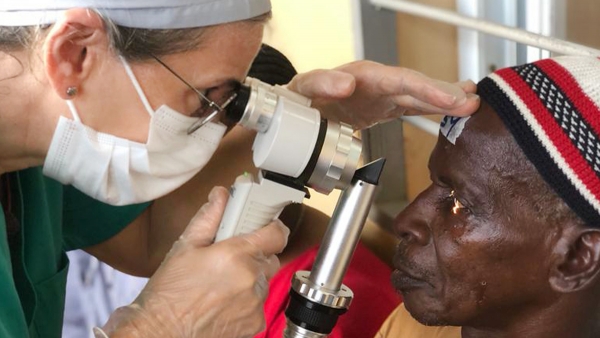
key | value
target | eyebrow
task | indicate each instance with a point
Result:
(444, 180)
(468, 186)
(452, 182)
(231, 82)
(227, 81)
(227, 86)
(429, 165)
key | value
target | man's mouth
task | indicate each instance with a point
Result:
(408, 275)
(404, 281)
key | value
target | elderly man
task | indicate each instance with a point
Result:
(506, 240)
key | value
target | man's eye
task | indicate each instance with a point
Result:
(457, 206)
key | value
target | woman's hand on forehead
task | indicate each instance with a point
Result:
(363, 93)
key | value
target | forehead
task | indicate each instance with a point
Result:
(484, 157)
(225, 53)
(482, 140)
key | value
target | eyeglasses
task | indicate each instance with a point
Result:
(208, 110)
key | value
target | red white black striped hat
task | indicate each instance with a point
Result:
(552, 108)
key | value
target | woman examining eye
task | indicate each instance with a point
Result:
(95, 136)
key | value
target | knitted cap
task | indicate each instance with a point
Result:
(151, 14)
(551, 107)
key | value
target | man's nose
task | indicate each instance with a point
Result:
(412, 225)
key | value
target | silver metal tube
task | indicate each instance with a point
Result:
(293, 331)
(342, 236)
(431, 12)
(423, 123)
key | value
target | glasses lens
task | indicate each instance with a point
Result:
(216, 98)
(212, 111)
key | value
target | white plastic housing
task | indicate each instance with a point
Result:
(252, 205)
(298, 126)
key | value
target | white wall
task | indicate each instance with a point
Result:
(313, 34)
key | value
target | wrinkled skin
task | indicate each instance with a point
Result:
(486, 265)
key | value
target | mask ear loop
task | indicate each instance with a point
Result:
(73, 110)
(137, 86)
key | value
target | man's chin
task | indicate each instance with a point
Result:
(423, 311)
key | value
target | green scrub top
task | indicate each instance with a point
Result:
(54, 218)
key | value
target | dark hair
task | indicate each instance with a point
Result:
(272, 67)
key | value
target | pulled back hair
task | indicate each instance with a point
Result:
(15, 38)
(134, 44)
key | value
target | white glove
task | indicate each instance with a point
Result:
(204, 289)
(363, 93)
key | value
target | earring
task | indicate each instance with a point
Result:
(71, 91)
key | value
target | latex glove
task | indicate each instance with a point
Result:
(363, 93)
(203, 289)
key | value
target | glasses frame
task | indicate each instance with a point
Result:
(211, 104)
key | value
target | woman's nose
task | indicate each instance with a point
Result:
(412, 224)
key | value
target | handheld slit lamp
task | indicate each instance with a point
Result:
(296, 149)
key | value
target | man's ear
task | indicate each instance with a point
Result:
(73, 45)
(578, 260)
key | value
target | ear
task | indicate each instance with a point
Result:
(72, 46)
(578, 263)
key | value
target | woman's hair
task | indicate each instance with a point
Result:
(131, 43)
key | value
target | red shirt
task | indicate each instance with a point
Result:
(368, 277)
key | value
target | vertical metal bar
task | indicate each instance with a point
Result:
(379, 40)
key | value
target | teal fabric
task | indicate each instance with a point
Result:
(33, 273)
(87, 221)
(12, 318)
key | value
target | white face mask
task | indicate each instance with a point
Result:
(118, 171)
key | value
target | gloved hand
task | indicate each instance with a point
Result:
(203, 289)
(363, 93)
